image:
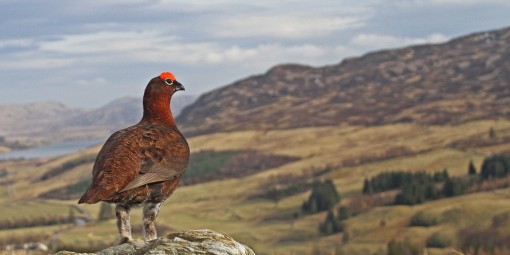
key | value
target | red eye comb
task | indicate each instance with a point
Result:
(167, 75)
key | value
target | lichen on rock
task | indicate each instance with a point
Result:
(203, 241)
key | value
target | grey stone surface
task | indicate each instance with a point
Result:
(203, 241)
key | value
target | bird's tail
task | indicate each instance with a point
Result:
(89, 197)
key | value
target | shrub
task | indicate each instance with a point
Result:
(438, 240)
(423, 219)
(500, 220)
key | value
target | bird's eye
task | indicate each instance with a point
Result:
(169, 81)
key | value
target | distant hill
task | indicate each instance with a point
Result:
(467, 78)
(52, 121)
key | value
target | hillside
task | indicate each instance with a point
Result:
(236, 205)
(42, 122)
(464, 79)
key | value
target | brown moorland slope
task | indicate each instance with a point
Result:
(467, 78)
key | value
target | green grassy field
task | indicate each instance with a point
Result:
(353, 154)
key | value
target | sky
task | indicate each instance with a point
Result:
(87, 53)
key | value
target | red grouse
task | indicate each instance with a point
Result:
(142, 164)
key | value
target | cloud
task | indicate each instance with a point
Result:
(156, 47)
(25, 63)
(16, 43)
(389, 41)
(106, 42)
(284, 26)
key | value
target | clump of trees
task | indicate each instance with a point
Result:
(398, 179)
(323, 197)
(495, 166)
(331, 225)
(334, 223)
(456, 187)
(416, 188)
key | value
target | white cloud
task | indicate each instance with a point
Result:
(283, 26)
(156, 47)
(389, 41)
(105, 42)
(19, 43)
(203, 54)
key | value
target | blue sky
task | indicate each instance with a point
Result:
(87, 53)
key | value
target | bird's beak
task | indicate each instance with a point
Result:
(179, 86)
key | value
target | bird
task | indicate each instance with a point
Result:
(143, 164)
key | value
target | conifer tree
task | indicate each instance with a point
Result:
(492, 133)
(471, 168)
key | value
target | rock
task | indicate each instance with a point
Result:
(203, 241)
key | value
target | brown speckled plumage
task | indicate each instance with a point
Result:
(142, 164)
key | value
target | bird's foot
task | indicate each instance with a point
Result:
(126, 239)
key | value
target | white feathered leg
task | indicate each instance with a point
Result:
(150, 212)
(123, 223)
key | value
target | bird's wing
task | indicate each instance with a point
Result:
(137, 156)
(142, 179)
(116, 165)
(165, 155)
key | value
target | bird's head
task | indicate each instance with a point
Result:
(165, 83)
